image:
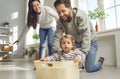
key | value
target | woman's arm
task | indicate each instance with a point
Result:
(22, 35)
(52, 12)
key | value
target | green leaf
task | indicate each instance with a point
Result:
(97, 13)
(36, 36)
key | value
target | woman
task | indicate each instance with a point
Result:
(46, 17)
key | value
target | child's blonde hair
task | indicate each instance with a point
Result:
(71, 38)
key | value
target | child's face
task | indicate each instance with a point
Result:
(66, 45)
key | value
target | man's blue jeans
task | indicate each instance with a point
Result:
(49, 35)
(90, 64)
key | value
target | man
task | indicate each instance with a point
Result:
(76, 22)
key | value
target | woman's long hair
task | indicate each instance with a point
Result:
(32, 15)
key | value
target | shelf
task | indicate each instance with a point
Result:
(3, 53)
(4, 41)
(1, 27)
(108, 32)
(4, 35)
(5, 44)
(5, 56)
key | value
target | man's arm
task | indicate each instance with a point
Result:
(58, 34)
(84, 29)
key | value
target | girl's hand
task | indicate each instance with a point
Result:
(76, 59)
(81, 64)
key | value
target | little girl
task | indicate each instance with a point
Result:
(69, 52)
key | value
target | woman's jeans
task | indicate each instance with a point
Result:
(90, 64)
(49, 35)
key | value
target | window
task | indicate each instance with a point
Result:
(15, 35)
(118, 15)
(108, 3)
(110, 21)
(87, 6)
(83, 5)
(117, 2)
(112, 8)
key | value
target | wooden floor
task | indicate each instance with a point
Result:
(24, 69)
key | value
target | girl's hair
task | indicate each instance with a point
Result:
(32, 15)
(69, 37)
(67, 3)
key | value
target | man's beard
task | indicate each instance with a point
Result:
(69, 18)
(39, 13)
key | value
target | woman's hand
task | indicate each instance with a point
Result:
(43, 59)
(16, 42)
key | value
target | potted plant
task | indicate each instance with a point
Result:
(26, 53)
(35, 36)
(5, 24)
(97, 14)
(36, 54)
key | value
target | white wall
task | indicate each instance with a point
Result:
(109, 46)
(7, 9)
(49, 3)
(74, 3)
(107, 49)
